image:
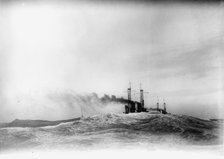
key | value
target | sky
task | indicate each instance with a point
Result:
(174, 50)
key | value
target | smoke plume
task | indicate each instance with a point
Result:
(60, 105)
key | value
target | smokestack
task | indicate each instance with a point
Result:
(141, 96)
(157, 103)
(129, 91)
(164, 105)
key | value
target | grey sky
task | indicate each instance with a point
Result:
(174, 50)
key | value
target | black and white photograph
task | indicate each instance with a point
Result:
(139, 78)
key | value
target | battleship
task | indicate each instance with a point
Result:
(132, 106)
(138, 124)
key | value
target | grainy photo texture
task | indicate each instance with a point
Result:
(111, 75)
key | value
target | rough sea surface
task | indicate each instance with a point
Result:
(141, 130)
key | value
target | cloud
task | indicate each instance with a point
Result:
(172, 42)
(198, 62)
(99, 48)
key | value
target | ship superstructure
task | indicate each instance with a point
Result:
(139, 106)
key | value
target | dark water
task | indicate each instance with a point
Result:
(116, 131)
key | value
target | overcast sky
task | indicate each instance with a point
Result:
(175, 51)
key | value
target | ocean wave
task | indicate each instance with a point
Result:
(118, 129)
